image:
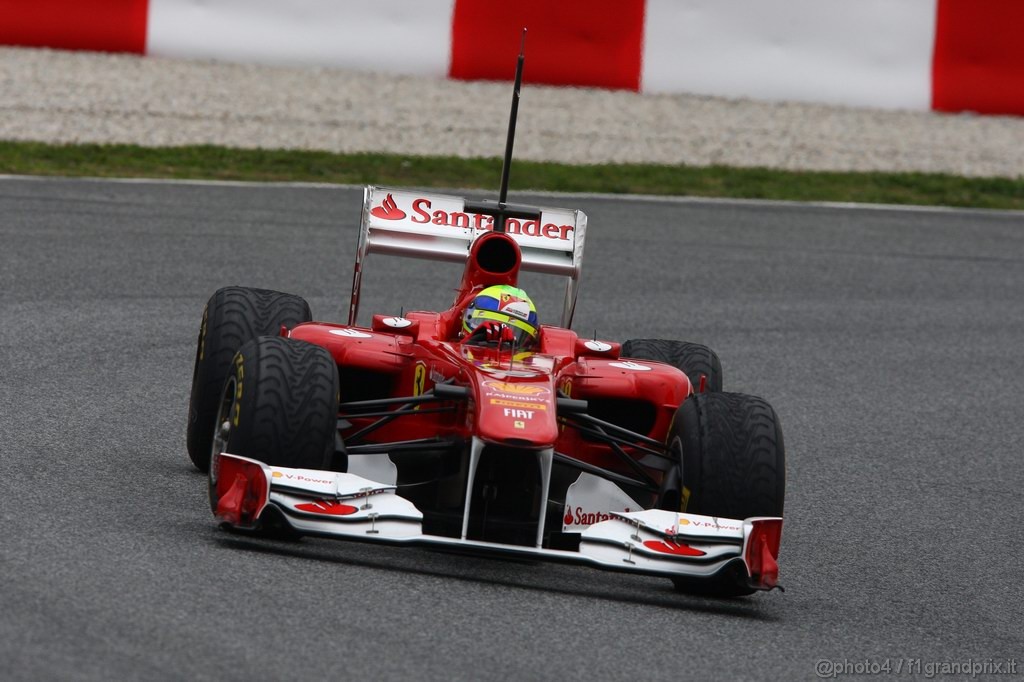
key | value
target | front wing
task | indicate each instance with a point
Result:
(347, 506)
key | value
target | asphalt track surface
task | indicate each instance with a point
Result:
(891, 343)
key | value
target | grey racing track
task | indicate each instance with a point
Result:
(891, 343)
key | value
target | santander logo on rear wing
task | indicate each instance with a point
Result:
(439, 227)
(446, 216)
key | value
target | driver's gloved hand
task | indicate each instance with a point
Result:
(491, 332)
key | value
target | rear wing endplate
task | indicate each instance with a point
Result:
(404, 222)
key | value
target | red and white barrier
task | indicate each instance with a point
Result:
(950, 55)
(874, 52)
(399, 36)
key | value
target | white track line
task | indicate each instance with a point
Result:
(658, 198)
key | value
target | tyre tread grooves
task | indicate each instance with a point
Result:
(693, 359)
(289, 410)
(233, 315)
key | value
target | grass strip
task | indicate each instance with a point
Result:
(224, 163)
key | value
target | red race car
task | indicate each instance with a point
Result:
(474, 426)
(478, 428)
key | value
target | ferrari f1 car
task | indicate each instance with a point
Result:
(626, 457)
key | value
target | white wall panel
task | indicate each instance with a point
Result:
(383, 35)
(855, 52)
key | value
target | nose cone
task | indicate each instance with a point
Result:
(517, 411)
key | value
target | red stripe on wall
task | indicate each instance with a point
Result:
(107, 26)
(570, 42)
(978, 63)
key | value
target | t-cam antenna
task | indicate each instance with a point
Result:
(510, 142)
(502, 210)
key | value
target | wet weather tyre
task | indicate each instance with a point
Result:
(733, 465)
(232, 316)
(280, 404)
(692, 359)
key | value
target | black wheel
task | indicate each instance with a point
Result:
(733, 465)
(692, 359)
(279, 404)
(232, 316)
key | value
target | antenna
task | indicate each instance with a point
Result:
(502, 210)
(506, 166)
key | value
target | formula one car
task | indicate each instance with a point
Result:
(501, 437)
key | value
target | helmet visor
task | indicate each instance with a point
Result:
(523, 334)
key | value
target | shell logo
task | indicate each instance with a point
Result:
(519, 389)
(327, 507)
(684, 522)
(673, 547)
(277, 474)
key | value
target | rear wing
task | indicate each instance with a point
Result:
(403, 222)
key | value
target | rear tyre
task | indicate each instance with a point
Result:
(279, 404)
(733, 466)
(692, 359)
(232, 316)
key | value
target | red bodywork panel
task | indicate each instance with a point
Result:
(512, 393)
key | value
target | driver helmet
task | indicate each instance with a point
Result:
(506, 305)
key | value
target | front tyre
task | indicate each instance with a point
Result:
(232, 316)
(279, 404)
(733, 465)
